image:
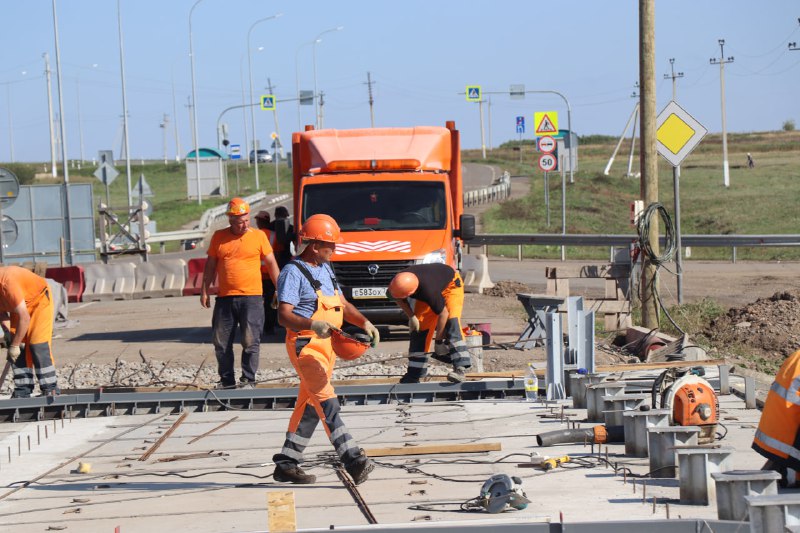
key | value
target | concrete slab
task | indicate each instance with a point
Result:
(227, 489)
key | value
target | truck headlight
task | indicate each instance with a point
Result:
(439, 256)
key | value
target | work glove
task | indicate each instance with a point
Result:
(13, 353)
(321, 328)
(413, 324)
(274, 303)
(372, 331)
(441, 347)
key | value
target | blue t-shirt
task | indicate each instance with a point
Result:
(294, 288)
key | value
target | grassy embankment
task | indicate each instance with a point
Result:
(762, 200)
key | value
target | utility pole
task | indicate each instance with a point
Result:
(163, 126)
(633, 133)
(371, 101)
(489, 111)
(480, 112)
(648, 156)
(50, 115)
(278, 143)
(722, 61)
(676, 178)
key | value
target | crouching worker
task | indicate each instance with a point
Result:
(310, 304)
(778, 434)
(25, 299)
(439, 294)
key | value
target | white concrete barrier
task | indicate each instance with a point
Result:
(158, 279)
(475, 273)
(109, 282)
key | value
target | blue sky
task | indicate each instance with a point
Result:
(421, 55)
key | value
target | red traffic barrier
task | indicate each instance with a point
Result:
(194, 278)
(71, 278)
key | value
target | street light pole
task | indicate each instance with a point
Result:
(195, 140)
(726, 178)
(297, 82)
(314, 59)
(47, 73)
(124, 105)
(68, 219)
(250, 70)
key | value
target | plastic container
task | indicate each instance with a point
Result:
(531, 384)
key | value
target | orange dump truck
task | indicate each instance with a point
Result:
(397, 196)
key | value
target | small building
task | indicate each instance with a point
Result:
(213, 173)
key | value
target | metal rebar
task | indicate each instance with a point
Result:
(29, 443)
(624, 476)
(164, 437)
(655, 501)
(666, 508)
(38, 436)
(644, 491)
(45, 432)
(209, 432)
(633, 482)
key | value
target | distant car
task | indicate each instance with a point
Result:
(263, 156)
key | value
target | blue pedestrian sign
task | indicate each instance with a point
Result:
(236, 151)
(473, 93)
(268, 102)
(520, 124)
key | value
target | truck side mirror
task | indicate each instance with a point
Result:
(467, 225)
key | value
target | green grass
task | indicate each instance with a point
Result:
(759, 201)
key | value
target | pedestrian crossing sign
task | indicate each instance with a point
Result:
(473, 93)
(268, 102)
(546, 123)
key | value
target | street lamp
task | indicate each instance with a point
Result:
(314, 59)
(124, 105)
(80, 121)
(194, 110)
(250, 70)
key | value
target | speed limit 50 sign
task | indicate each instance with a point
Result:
(548, 162)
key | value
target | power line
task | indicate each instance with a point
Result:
(371, 101)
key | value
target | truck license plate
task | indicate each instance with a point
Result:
(369, 292)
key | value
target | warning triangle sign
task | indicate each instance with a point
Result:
(546, 126)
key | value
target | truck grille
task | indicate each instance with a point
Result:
(357, 273)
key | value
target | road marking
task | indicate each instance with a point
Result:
(87, 304)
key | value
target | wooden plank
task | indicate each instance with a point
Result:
(281, 511)
(607, 306)
(434, 449)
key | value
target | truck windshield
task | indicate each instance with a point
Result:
(379, 206)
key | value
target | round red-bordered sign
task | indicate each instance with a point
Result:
(546, 145)
(547, 162)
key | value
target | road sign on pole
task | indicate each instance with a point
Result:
(236, 151)
(473, 93)
(520, 124)
(548, 162)
(546, 145)
(677, 133)
(546, 123)
(268, 102)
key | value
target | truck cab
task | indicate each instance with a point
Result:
(396, 194)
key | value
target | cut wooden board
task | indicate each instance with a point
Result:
(280, 511)
(434, 449)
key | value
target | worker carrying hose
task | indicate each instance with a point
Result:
(438, 292)
(27, 309)
(778, 432)
(310, 305)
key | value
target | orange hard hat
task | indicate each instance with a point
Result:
(237, 207)
(320, 227)
(346, 346)
(403, 285)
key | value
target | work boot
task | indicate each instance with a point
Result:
(292, 473)
(458, 375)
(359, 468)
(21, 393)
(245, 383)
(408, 379)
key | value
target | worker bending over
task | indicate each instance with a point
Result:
(27, 307)
(310, 305)
(778, 434)
(439, 294)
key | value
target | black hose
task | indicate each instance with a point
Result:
(565, 436)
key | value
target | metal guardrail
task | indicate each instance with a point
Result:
(557, 239)
(498, 191)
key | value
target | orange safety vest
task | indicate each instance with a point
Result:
(778, 434)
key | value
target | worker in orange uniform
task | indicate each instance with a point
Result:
(267, 287)
(234, 258)
(439, 294)
(283, 236)
(27, 306)
(778, 435)
(310, 305)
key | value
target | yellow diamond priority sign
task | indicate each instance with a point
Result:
(677, 133)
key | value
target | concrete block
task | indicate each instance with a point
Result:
(109, 282)
(158, 279)
(475, 273)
